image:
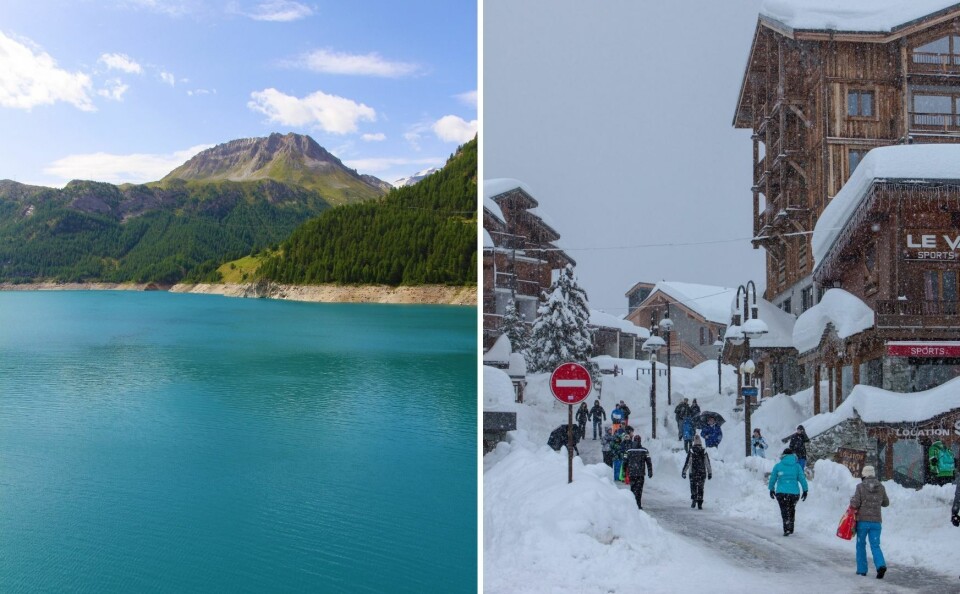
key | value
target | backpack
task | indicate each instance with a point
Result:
(945, 462)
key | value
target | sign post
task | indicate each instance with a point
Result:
(570, 384)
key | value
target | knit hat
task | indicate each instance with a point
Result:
(868, 471)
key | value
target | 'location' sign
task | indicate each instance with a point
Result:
(570, 383)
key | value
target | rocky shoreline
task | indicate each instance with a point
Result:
(425, 294)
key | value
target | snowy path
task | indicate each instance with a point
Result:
(762, 549)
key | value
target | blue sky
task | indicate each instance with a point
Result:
(126, 90)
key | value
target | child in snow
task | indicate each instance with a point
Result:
(698, 465)
(687, 433)
(616, 417)
(759, 444)
(869, 497)
(711, 433)
(786, 479)
(606, 442)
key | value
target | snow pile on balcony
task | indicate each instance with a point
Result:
(848, 314)
(876, 405)
(498, 391)
(494, 209)
(904, 162)
(605, 320)
(499, 353)
(487, 240)
(850, 15)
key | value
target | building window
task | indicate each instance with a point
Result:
(787, 306)
(860, 103)
(806, 299)
(941, 286)
(941, 52)
(855, 156)
(936, 111)
(703, 335)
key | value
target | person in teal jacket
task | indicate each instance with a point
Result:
(786, 481)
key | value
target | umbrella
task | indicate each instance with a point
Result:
(709, 414)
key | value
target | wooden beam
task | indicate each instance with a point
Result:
(795, 109)
(816, 389)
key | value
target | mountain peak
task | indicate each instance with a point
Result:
(290, 158)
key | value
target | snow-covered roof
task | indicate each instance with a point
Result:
(905, 162)
(875, 405)
(848, 314)
(880, 16)
(713, 303)
(499, 352)
(599, 318)
(780, 325)
(499, 185)
(494, 209)
(487, 240)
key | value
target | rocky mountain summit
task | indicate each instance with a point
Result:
(416, 177)
(290, 158)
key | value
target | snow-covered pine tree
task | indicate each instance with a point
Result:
(514, 326)
(560, 333)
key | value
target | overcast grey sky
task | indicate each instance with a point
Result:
(618, 115)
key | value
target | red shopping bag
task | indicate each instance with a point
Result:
(626, 476)
(848, 524)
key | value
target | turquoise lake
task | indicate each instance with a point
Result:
(156, 442)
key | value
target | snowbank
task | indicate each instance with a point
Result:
(848, 314)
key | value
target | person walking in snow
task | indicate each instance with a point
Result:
(868, 498)
(698, 466)
(941, 464)
(599, 416)
(638, 461)
(687, 433)
(582, 414)
(798, 443)
(621, 443)
(606, 442)
(695, 412)
(616, 417)
(681, 412)
(711, 433)
(759, 444)
(786, 481)
(626, 412)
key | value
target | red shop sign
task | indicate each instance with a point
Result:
(923, 349)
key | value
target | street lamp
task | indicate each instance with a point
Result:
(719, 345)
(753, 327)
(666, 326)
(652, 345)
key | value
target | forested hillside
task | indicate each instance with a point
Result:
(420, 234)
(90, 232)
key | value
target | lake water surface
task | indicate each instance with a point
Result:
(191, 443)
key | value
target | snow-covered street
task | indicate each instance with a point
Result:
(541, 534)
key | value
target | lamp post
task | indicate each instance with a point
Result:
(719, 345)
(753, 327)
(652, 345)
(666, 326)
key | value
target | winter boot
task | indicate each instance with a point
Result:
(693, 504)
(881, 571)
(699, 503)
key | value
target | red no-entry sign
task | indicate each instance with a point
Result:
(570, 383)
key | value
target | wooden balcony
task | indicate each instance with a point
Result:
(928, 63)
(934, 122)
(897, 313)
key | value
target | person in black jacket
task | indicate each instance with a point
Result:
(599, 416)
(558, 438)
(626, 412)
(681, 412)
(638, 462)
(582, 414)
(698, 466)
(798, 443)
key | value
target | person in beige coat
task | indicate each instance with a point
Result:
(869, 497)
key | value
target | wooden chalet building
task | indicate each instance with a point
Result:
(819, 92)
(855, 117)
(519, 253)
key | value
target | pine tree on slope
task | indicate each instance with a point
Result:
(560, 333)
(514, 326)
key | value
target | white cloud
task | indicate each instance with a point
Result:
(173, 8)
(451, 128)
(121, 62)
(469, 98)
(117, 169)
(30, 77)
(280, 11)
(379, 136)
(379, 164)
(114, 89)
(168, 78)
(192, 92)
(330, 113)
(330, 62)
